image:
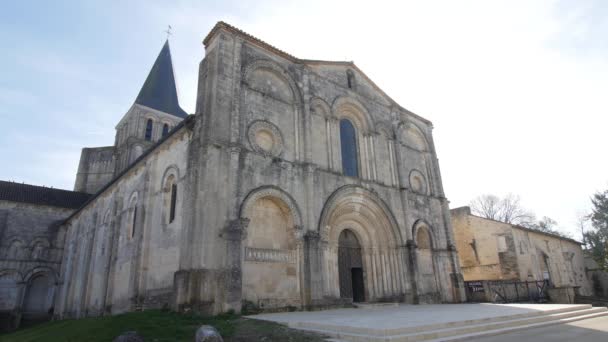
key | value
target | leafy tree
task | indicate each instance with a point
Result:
(597, 239)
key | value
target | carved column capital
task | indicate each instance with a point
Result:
(235, 230)
(312, 236)
(410, 244)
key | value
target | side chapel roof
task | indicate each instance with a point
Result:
(41, 195)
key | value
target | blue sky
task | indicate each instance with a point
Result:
(516, 89)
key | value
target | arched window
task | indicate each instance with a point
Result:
(149, 127)
(170, 196)
(132, 217)
(173, 202)
(133, 222)
(348, 142)
(165, 129)
(350, 78)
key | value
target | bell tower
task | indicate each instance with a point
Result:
(154, 113)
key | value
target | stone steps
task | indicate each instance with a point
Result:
(459, 330)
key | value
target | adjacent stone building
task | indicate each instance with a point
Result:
(31, 249)
(492, 250)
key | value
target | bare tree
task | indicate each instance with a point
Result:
(507, 209)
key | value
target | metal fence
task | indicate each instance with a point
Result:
(507, 291)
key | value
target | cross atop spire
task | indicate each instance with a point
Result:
(168, 31)
(159, 90)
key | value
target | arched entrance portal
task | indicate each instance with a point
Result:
(362, 250)
(350, 267)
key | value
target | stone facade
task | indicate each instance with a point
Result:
(31, 249)
(256, 183)
(492, 250)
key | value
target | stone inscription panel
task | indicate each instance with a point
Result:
(269, 255)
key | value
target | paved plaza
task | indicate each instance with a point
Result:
(430, 322)
(588, 330)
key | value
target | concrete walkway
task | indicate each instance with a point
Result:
(431, 322)
(589, 330)
(404, 316)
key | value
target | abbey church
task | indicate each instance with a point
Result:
(295, 184)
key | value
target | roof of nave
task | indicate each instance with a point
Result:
(159, 90)
(260, 43)
(41, 195)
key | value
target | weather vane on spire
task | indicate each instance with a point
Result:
(168, 31)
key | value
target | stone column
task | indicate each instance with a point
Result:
(313, 269)
(413, 271)
(234, 234)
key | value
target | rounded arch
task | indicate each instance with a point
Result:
(39, 248)
(320, 107)
(271, 191)
(352, 204)
(422, 226)
(277, 70)
(170, 170)
(16, 248)
(349, 108)
(40, 241)
(11, 273)
(41, 270)
(107, 217)
(412, 136)
(132, 199)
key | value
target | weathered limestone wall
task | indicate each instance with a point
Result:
(564, 258)
(96, 169)
(31, 246)
(273, 126)
(121, 250)
(486, 248)
(492, 250)
(265, 199)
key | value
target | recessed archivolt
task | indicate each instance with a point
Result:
(349, 108)
(133, 200)
(277, 71)
(40, 241)
(412, 136)
(170, 170)
(319, 107)
(275, 193)
(421, 226)
(358, 209)
(41, 270)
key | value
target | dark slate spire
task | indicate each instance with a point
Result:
(159, 91)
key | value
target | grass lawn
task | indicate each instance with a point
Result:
(156, 325)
